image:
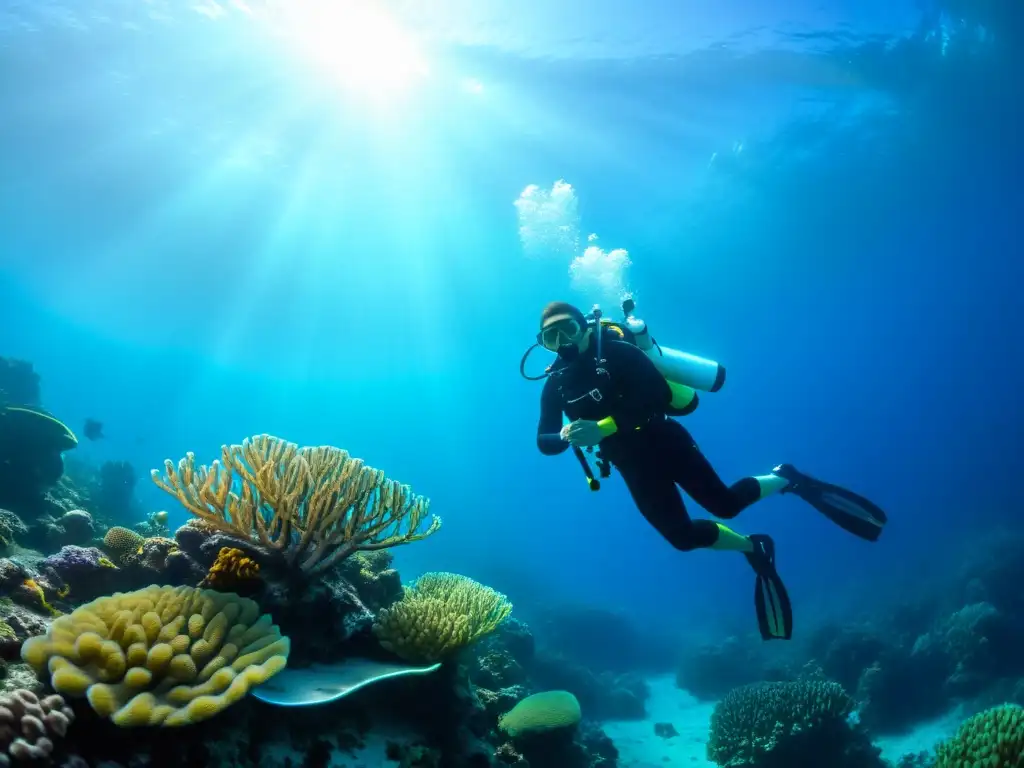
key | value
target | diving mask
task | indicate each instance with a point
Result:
(565, 331)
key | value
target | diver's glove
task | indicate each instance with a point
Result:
(583, 433)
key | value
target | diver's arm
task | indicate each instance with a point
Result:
(549, 438)
(644, 391)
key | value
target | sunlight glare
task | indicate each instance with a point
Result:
(357, 44)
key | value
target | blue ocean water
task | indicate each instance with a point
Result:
(218, 221)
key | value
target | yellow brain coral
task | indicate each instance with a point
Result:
(161, 655)
(438, 615)
(547, 711)
(993, 738)
(122, 541)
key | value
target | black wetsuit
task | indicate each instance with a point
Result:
(652, 452)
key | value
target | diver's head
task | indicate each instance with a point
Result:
(563, 329)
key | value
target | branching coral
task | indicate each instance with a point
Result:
(160, 655)
(313, 506)
(753, 720)
(993, 738)
(438, 615)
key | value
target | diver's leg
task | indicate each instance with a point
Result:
(661, 504)
(696, 476)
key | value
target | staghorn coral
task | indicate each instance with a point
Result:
(752, 721)
(438, 615)
(29, 725)
(160, 655)
(993, 739)
(546, 711)
(231, 568)
(314, 506)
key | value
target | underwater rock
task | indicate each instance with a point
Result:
(496, 670)
(513, 638)
(604, 695)
(86, 571)
(19, 383)
(496, 703)
(571, 630)
(28, 590)
(115, 491)
(413, 755)
(19, 676)
(32, 443)
(12, 529)
(845, 651)
(584, 746)
(51, 533)
(710, 670)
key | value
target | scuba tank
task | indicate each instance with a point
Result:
(677, 367)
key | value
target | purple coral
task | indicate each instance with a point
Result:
(30, 725)
(73, 561)
(84, 570)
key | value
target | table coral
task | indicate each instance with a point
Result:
(160, 655)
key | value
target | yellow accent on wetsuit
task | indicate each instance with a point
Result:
(730, 541)
(682, 395)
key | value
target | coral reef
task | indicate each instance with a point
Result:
(438, 615)
(160, 656)
(90, 571)
(312, 506)
(11, 528)
(232, 571)
(788, 724)
(122, 542)
(993, 739)
(29, 726)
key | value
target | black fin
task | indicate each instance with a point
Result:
(850, 511)
(771, 600)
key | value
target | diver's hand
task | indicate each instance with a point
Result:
(583, 433)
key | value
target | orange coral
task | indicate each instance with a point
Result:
(230, 569)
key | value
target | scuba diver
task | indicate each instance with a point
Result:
(612, 387)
